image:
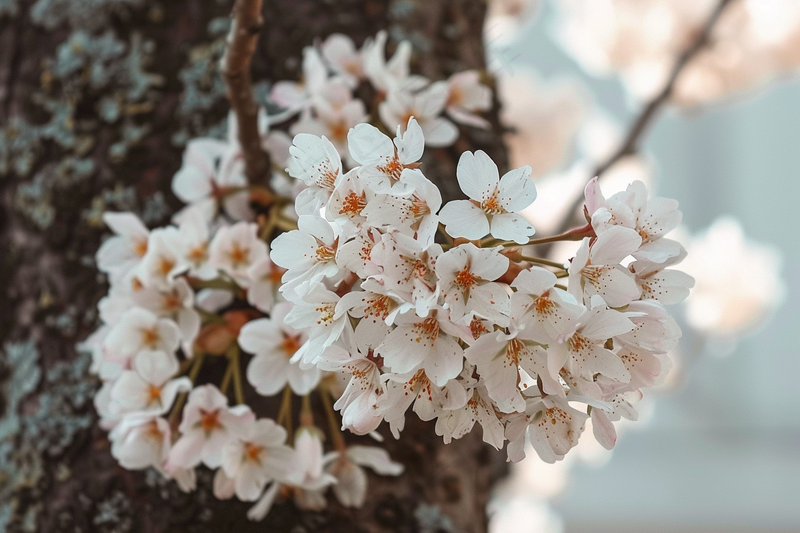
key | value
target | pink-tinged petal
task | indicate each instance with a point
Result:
(264, 504)
(351, 488)
(477, 174)
(462, 218)
(594, 196)
(467, 118)
(224, 487)
(375, 458)
(303, 381)
(511, 227)
(186, 453)
(288, 94)
(517, 190)
(445, 361)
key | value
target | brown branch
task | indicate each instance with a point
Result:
(631, 144)
(235, 66)
(639, 126)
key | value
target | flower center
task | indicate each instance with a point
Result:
(513, 349)
(578, 343)
(153, 394)
(543, 305)
(326, 312)
(253, 452)
(428, 328)
(165, 265)
(198, 254)
(209, 420)
(465, 279)
(353, 204)
(477, 328)
(238, 255)
(150, 337)
(325, 253)
(290, 344)
(492, 205)
(393, 169)
(140, 247)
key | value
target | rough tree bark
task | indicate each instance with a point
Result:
(96, 99)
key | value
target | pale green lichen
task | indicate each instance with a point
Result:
(20, 365)
(89, 14)
(431, 520)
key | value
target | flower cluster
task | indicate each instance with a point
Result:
(326, 103)
(360, 291)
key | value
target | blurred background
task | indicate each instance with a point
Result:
(717, 451)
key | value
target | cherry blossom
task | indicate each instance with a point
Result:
(208, 424)
(493, 203)
(274, 344)
(149, 386)
(258, 455)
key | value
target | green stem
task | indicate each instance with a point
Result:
(333, 424)
(238, 391)
(197, 363)
(541, 261)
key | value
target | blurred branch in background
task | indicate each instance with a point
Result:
(640, 125)
(235, 66)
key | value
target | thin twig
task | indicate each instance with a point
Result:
(235, 66)
(639, 126)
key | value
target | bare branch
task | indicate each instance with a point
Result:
(235, 65)
(639, 126)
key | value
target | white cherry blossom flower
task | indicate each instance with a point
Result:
(466, 96)
(494, 201)
(265, 278)
(316, 313)
(208, 179)
(122, 252)
(208, 424)
(316, 162)
(583, 350)
(423, 343)
(428, 399)
(308, 253)
(359, 403)
(257, 456)
(393, 74)
(466, 276)
(194, 239)
(137, 330)
(657, 282)
(479, 408)
(234, 249)
(408, 270)
(426, 106)
(163, 261)
(294, 96)
(385, 162)
(343, 58)
(596, 267)
(541, 308)
(333, 119)
(499, 358)
(413, 213)
(274, 343)
(141, 441)
(551, 426)
(651, 218)
(149, 386)
(351, 479)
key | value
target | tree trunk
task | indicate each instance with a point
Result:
(97, 99)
